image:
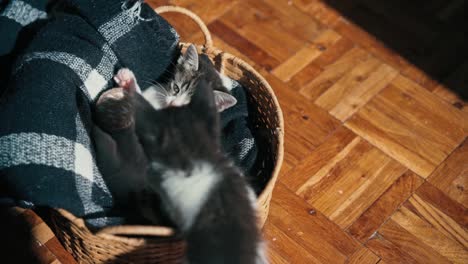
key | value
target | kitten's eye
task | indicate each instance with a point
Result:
(176, 89)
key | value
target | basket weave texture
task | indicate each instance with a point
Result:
(153, 244)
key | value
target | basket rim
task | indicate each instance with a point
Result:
(111, 232)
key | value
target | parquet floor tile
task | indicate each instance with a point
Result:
(412, 125)
(319, 11)
(356, 88)
(246, 47)
(425, 230)
(334, 72)
(217, 8)
(451, 176)
(450, 97)
(306, 55)
(346, 184)
(381, 210)
(310, 228)
(266, 31)
(363, 256)
(396, 245)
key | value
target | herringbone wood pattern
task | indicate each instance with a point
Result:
(376, 158)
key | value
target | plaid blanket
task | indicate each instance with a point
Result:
(46, 154)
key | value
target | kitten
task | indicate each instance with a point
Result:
(178, 90)
(201, 190)
(121, 159)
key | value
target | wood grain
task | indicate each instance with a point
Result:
(217, 7)
(356, 88)
(285, 246)
(419, 76)
(243, 45)
(319, 11)
(442, 202)
(43, 254)
(305, 76)
(368, 223)
(33, 232)
(263, 29)
(354, 179)
(317, 246)
(289, 18)
(319, 158)
(411, 125)
(406, 241)
(430, 236)
(450, 97)
(439, 220)
(313, 222)
(452, 175)
(306, 125)
(275, 257)
(333, 73)
(57, 249)
(306, 55)
(363, 256)
(334, 52)
(390, 252)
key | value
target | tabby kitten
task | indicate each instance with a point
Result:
(177, 91)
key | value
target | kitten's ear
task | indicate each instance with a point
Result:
(223, 101)
(190, 59)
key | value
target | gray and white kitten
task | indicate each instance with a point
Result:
(178, 90)
(175, 152)
(202, 191)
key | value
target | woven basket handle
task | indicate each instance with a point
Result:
(158, 231)
(193, 16)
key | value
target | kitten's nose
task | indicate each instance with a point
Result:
(171, 102)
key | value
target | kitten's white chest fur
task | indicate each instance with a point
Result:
(187, 192)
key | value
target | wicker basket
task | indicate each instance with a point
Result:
(152, 244)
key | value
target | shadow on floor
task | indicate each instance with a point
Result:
(17, 241)
(429, 34)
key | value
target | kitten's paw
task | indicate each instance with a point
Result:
(114, 110)
(126, 79)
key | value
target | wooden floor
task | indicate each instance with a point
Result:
(376, 158)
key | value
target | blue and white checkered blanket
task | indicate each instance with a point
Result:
(46, 154)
